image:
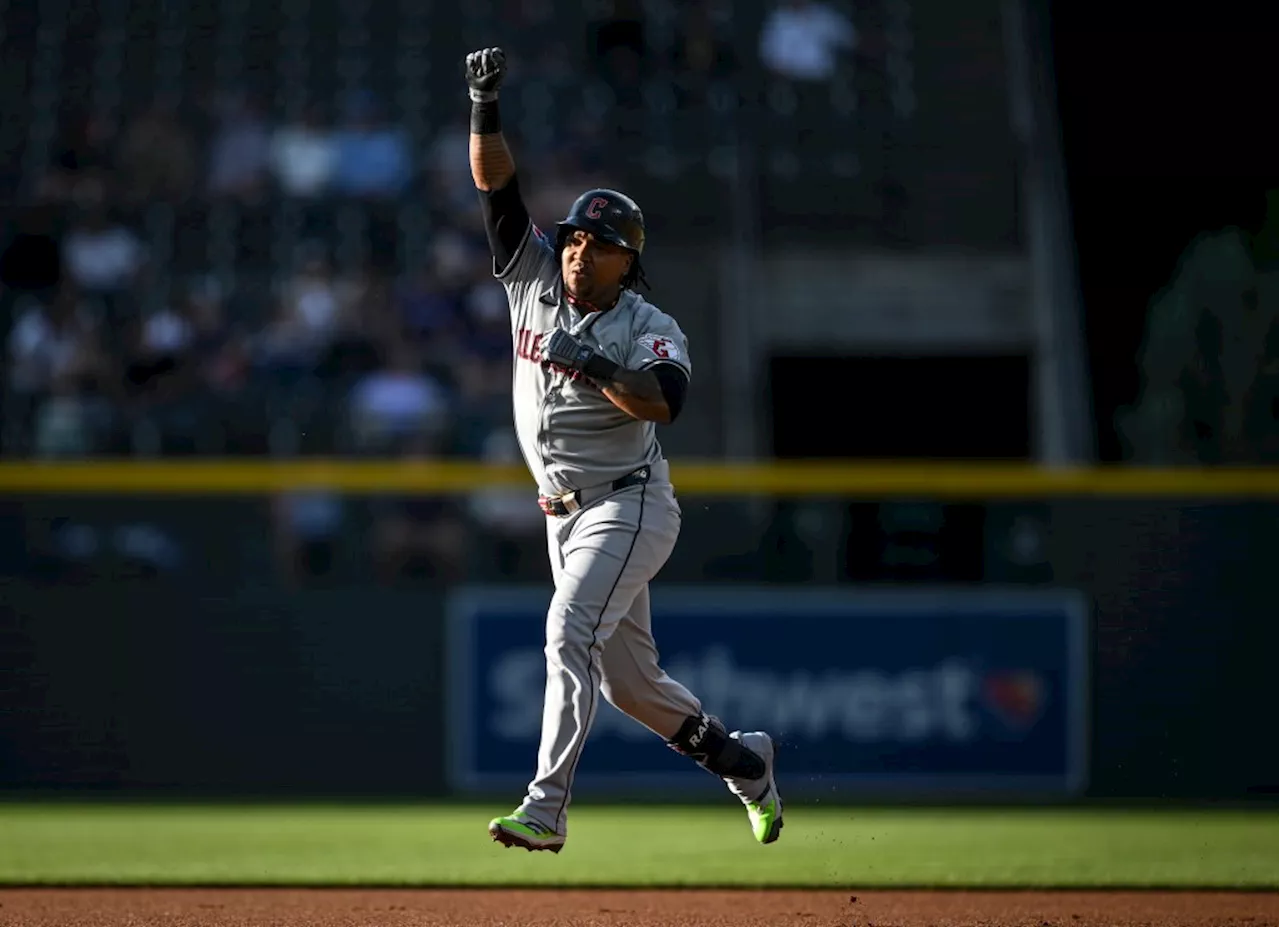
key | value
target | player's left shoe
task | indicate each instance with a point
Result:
(764, 804)
(519, 830)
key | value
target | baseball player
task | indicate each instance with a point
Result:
(596, 368)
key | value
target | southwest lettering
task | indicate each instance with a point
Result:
(935, 704)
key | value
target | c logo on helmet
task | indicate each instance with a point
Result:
(593, 208)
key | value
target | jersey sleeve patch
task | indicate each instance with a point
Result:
(660, 346)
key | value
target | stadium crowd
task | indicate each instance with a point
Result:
(119, 355)
(130, 344)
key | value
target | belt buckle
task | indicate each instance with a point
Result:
(559, 506)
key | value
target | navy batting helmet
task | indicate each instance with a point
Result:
(609, 216)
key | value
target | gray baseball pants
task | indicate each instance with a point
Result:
(599, 634)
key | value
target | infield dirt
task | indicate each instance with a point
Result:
(224, 907)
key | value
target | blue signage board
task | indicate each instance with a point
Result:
(903, 690)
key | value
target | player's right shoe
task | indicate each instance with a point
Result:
(764, 804)
(519, 830)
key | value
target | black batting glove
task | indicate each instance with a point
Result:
(564, 350)
(485, 70)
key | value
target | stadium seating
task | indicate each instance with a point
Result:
(901, 146)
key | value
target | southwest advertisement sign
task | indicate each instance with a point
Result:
(890, 690)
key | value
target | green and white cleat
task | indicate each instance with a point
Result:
(764, 804)
(519, 830)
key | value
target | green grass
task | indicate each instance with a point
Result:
(447, 845)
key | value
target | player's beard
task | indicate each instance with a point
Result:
(581, 287)
(579, 281)
(587, 290)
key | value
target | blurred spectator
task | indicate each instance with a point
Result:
(102, 256)
(484, 373)
(551, 93)
(427, 310)
(397, 404)
(455, 257)
(419, 537)
(205, 310)
(448, 172)
(309, 314)
(163, 344)
(157, 159)
(482, 366)
(401, 411)
(221, 349)
(58, 375)
(367, 302)
(240, 151)
(366, 320)
(163, 376)
(800, 39)
(701, 54)
(61, 427)
(624, 74)
(429, 303)
(586, 154)
(83, 164)
(304, 155)
(47, 342)
(372, 156)
(307, 526)
(617, 44)
(512, 527)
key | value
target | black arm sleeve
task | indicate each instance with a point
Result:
(675, 384)
(505, 221)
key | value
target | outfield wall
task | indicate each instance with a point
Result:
(170, 658)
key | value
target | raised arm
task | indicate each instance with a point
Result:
(506, 220)
(491, 163)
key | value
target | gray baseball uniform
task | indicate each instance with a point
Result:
(603, 554)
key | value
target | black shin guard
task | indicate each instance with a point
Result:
(705, 740)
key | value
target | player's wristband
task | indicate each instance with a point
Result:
(599, 367)
(484, 117)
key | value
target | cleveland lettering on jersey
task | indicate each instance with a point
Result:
(529, 345)
(529, 348)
